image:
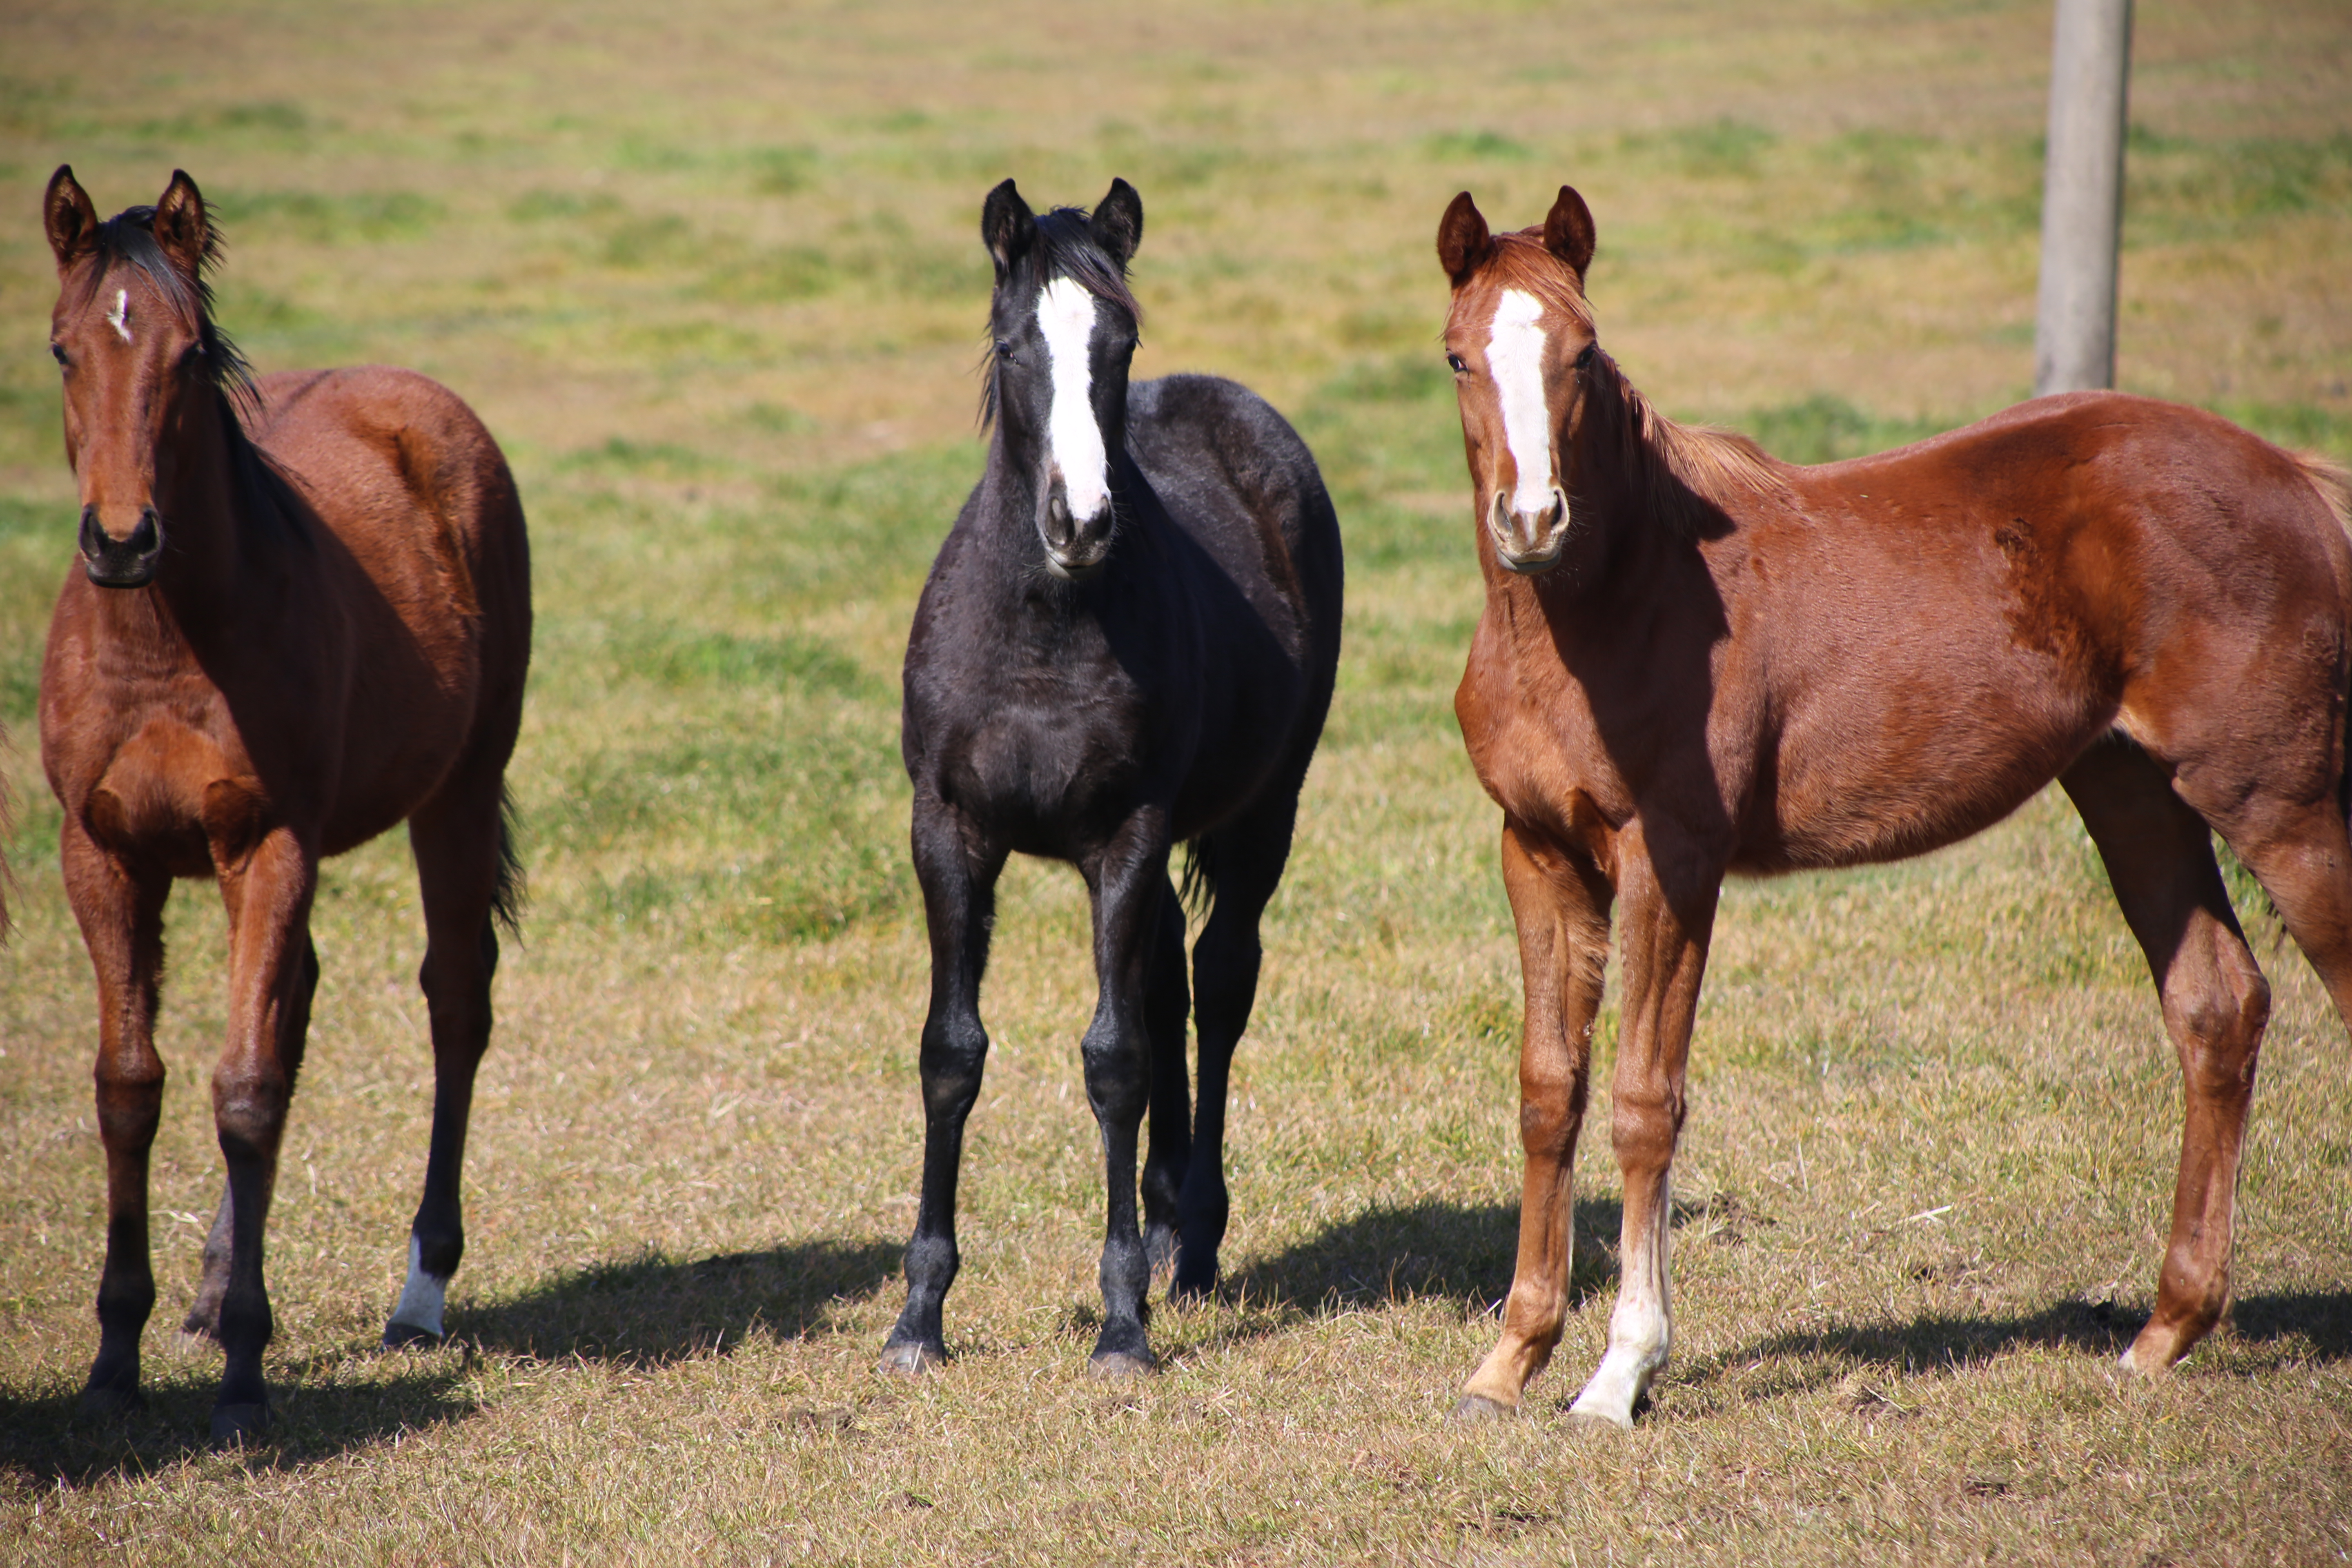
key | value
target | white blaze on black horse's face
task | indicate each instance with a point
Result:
(1077, 462)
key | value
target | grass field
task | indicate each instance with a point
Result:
(710, 271)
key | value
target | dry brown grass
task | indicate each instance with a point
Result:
(709, 269)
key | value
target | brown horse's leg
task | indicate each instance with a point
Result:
(268, 899)
(1560, 904)
(456, 839)
(957, 865)
(203, 1313)
(2159, 857)
(121, 918)
(1668, 916)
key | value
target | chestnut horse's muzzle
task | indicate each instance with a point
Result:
(1528, 543)
(114, 562)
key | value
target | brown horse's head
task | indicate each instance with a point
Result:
(1519, 337)
(144, 364)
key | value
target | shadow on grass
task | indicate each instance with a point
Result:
(1458, 1252)
(645, 1313)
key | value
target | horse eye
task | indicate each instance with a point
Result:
(1004, 349)
(58, 352)
(1584, 359)
(1456, 362)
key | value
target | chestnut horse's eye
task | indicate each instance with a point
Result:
(58, 352)
(1455, 361)
(1584, 359)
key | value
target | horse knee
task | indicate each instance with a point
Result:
(954, 1054)
(249, 1102)
(2219, 1028)
(1643, 1127)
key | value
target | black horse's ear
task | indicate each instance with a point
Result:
(1118, 223)
(71, 221)
(1463, 242)
(1568, 233)
(1007, 227)
(182, 232)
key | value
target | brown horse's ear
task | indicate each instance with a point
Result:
(1007, 227)
(1568, 233)
(1118, 223)
(71, 221)
(182, 230)
(1463, 242)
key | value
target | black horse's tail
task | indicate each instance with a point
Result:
(508, 894)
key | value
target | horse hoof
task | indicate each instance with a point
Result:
(1119, 1365)
(1600, 1421)
(200, 1324)
(911, 1358)
(398, 1336)
(235, 1424)
(1475, 1409)
(110, 1404)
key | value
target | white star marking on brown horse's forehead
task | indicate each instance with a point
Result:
(118, 318)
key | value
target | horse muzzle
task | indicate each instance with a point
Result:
(112, 563)
(1528, 543)
(1076, 548)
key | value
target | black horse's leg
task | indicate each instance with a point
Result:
(1250, 854)
(1129, 878)
(957, 865)
(1167, 1003)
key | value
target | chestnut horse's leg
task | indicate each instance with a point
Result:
(268, 896)
(957, 865)
(1668, 887)
(1559, 901)
(1128, 877)
(456, 838)
(1249, 853)
(1167, 1004)
(203, 1313)
(121, 918)
(2159, 857)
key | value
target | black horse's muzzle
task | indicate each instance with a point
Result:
(114, 562)
(1076, 548)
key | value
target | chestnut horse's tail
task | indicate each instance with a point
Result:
(508, 894)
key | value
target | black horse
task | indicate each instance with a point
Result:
(1127, 642)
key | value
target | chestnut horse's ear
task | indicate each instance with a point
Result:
(1463, 242)
(182, 230)
(1568, 233)
(71, 221)
(1007, 227)
(1118, 223)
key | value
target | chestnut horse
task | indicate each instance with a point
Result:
(1697, 660)
(302, 616)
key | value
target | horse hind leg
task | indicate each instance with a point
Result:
(1167, 1003)
(2159, 859)
(465, 872)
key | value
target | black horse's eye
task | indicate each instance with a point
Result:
(1004, 349)
(1456, 362)
(1584, 359)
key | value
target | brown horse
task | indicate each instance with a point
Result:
(302, 616)
(1697, 660)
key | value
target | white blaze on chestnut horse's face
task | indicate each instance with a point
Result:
(1065, 316)
(1515, 358)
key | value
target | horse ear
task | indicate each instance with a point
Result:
(1463, 242)
(71, 221)
(182, 230)
(1568, 233)
(1118, 223)
(1007, 227)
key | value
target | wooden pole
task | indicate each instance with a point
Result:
(2083, 197)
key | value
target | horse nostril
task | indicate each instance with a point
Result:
(145, 537)
(93, 539)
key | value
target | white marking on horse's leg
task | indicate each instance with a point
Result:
(1641, 1329)
(118, 318)
(421, 1297)
(1515, 353)
(1066, 313)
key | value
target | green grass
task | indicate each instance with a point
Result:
(712, 276)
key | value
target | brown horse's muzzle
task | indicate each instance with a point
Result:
(114, 562)
(1528, 543)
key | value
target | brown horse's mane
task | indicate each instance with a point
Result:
(128, 237)
(1685, 476)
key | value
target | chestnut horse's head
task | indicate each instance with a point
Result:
(144, 364)
(1519, 339)
(1063, 325)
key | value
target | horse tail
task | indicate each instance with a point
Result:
(1198, 891)
(508, 893)
(2332, 480)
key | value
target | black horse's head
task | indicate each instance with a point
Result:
(1063, 326)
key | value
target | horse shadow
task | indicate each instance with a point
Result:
(642, 1313)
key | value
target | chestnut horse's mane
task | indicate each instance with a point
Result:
(1681, 475)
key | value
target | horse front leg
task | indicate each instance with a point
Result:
(1126, 879)
(268, 893)
(1668, 917)
(122, 918)
(1559, 901)
(957, 865)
